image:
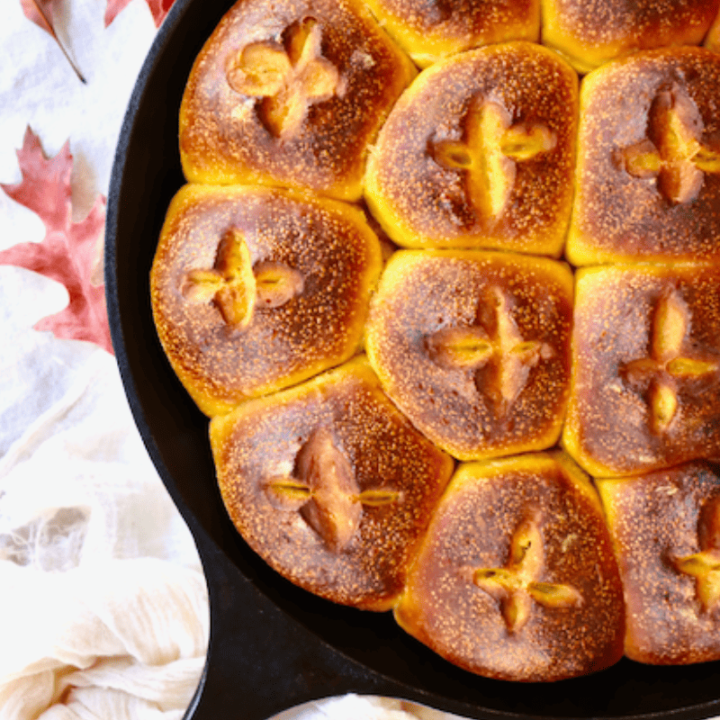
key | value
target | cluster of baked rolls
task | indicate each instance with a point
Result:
(453, 308)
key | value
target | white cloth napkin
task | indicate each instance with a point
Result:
(103, 605)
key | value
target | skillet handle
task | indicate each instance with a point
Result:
(260, 661)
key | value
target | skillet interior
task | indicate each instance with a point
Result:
(273, 645)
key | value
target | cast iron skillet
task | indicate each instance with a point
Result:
(273, 646)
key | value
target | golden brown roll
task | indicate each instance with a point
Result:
(330, 484)
(531, 263)
(666, 532)
(475, 347)
(429, 30)
(648, 172)
(516, 577)
(290, 93)
(479, 152)
(255, 289)
(646, 368)
(591, 32)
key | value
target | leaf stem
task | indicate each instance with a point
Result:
(51, 30)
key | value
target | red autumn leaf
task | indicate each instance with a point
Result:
(68, 252)
(158, 8)
(41, 13)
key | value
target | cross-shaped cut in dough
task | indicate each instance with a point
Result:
(705, 565)
(494, 349)
(665, 367)
(517, 585)
(489, 155)
(235, 287)
(323, 488)
(286, 78)
(671, 154)
(229, 284)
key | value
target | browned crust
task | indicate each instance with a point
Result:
(225, 138)
(473, 528)
(654, 519)
(421, 203)
(328, 243)
(461, 18)
(619, 216)
(609, 28)
(222, 134)
(429, 28)
(610, 418)
(262, 440)
(424, 293)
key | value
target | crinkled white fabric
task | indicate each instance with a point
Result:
(103, 605)
(103, 609)
(126, 638)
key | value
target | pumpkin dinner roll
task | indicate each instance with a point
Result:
(290, 93)
(474, 347)
(330, 484)
(591, 32)
(429, 30)
(255, 289)
(479, 152)
(648, 169)
(646, 368)
(516, 577)
(666, 531)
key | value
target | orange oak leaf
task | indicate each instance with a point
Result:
(68, 253)
(41, 13)
(158, 8)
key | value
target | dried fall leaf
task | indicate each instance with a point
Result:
(158, 8)
(68, 252)
(41, 13)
